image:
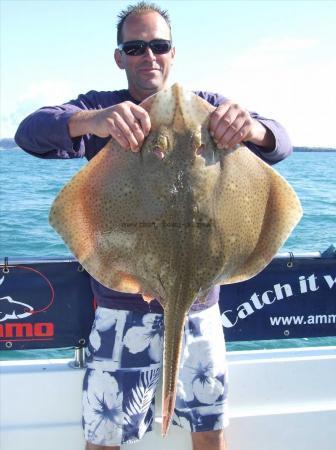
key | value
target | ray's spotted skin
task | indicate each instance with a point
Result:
(176, 218)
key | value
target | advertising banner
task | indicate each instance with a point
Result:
(44, 305)
(291, 298)
(50, 304)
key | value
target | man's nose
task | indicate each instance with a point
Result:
(149, 54)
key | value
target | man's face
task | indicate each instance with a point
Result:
(147, 73)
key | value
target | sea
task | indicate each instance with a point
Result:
(28, 186)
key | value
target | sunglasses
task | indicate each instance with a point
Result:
(137, 48)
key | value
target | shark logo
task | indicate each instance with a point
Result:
(17, 318)
(12, 309)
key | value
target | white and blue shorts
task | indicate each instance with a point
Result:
(124, 364)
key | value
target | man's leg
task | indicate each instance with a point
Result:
(124, 360)
(208, 440)
(201, 402)
(99, 447)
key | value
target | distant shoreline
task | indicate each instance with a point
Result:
(313, 149)
(9, 144)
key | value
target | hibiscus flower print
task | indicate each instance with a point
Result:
(103, 415)
(199, 378)
(105, 320)
(147, 336)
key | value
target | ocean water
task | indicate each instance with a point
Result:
(28, 186)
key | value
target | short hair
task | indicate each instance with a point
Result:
(140, 8)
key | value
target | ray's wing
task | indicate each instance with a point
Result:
(268, 210)
(90, 215)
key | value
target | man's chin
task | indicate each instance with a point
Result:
(151, 80)
(145, 88)
(152, 88)
(152, 84)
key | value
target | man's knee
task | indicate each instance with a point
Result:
(214, 440)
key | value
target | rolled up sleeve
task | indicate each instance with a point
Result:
(45, 133)
(283, 147)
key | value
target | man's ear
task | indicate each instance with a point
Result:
(118, 59)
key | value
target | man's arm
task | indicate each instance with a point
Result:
(44, 133)
(65, 131)
(282, 145)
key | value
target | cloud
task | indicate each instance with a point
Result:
(36, 95)
(272, 51)
(49, 91)
(290, 79)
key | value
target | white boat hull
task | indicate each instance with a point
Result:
(279, 400)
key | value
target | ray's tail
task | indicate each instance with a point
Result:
(174, 324)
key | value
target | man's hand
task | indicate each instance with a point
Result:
(230, 124)
(126, 122)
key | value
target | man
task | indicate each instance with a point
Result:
(125, 347)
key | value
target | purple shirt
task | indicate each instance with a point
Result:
(45, 134)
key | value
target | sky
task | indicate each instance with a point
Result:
(274, 57)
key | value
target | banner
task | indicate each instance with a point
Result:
(50, 304)
(291, 298)
(44, 305)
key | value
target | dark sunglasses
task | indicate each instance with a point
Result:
(136, 48)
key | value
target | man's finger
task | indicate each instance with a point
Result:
(134, 128)
(217, 116)
(117, 134)
(122, 133)
(236, 139)
(143, 117)
(227, 127)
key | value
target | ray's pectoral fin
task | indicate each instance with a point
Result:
(70, 214)
(283, 212)
(86, 213)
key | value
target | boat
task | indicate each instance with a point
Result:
(280, 398)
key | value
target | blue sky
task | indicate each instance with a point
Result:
(274, 57)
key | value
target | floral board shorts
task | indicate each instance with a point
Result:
(124, 358)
